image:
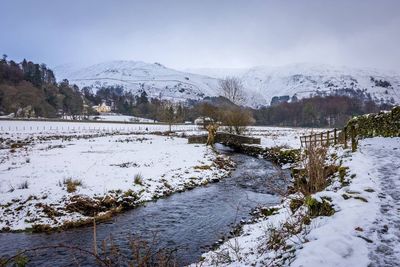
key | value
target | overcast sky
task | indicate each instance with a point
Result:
(191, 34)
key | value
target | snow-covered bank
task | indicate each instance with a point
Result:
(363, 231)
(34, 177)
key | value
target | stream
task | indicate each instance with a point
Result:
(191, 221)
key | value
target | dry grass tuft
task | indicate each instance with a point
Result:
(314, 176)
(72, 184)
(23, 185)
(138, 179)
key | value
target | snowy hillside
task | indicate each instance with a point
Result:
(219, 73)
(135, 76)
(303, 80)
(262, 84)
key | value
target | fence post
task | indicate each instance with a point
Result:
(322, 137)
(334, 136)
(353, 138)
(327, 138)
(345, 137)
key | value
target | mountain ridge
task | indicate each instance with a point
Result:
(261, 83)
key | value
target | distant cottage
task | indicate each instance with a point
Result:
(103, 108)
(203, 121)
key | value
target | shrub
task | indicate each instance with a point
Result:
(314, 177)
(138, 179)
(268, 211)
(342, 174)
(295, 204)
(280, 238)
(316, 208)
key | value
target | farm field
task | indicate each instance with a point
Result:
(48, 164)
(48, 167)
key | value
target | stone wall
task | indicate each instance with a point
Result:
(197, 139)
(386, 124)
(225, 138)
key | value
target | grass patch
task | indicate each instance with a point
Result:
(138, 179)
(202, 167)
(72, 184)
(23, 185)
(316, 208)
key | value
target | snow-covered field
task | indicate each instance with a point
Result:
(22, 129)
(35, 172)
(120, 118)
(363, 231)
(270, 136)
(281, 136)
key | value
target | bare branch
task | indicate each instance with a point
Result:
(232, 88)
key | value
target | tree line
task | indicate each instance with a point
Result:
(318, 111)
(31, 90)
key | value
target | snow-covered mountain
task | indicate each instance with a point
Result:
(219, 73)
(156, 79)
(304, 80)
(262, 84)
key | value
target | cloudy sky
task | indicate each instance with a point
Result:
(192, 34)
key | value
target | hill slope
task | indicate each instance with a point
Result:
(304, 80)
(136, 76)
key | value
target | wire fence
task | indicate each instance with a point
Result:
(32, 127)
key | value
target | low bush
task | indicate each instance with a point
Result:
(314, 177)
(316, 208)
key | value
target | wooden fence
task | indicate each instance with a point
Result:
(332, 137)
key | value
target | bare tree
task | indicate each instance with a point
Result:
(208, 113)
(237, 119)
(169, 114)
(232, 88)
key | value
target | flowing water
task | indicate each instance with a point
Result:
(191, 221)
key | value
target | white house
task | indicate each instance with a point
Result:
(103, 108)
